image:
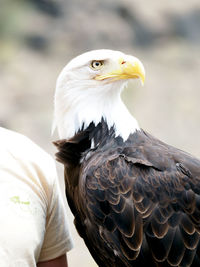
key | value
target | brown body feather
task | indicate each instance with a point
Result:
(136, 203)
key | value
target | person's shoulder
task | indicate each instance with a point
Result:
(24, 148)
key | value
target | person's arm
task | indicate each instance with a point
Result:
(58, 262)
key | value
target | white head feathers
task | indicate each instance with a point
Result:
(89, 88)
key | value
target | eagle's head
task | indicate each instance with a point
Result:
(88, 89)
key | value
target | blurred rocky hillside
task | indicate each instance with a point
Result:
(38, 37)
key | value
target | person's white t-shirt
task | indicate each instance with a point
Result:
(33, 226)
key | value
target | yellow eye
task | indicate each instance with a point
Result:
(96, 64)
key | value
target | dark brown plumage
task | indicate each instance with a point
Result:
(136, 203)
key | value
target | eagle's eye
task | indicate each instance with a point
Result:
(96, 64)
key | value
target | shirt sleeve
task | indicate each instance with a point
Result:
(57, 239)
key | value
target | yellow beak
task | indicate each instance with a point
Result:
(127, 70)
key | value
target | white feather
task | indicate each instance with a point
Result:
(80, 99)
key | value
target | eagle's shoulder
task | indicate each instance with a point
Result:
(144, 193)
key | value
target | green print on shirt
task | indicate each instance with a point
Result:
(16, 200)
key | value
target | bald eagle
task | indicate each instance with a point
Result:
(135, 199)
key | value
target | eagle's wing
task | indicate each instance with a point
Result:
(143, 213)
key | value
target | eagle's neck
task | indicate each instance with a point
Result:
(74, 114)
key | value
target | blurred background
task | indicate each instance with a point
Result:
(38, 37)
